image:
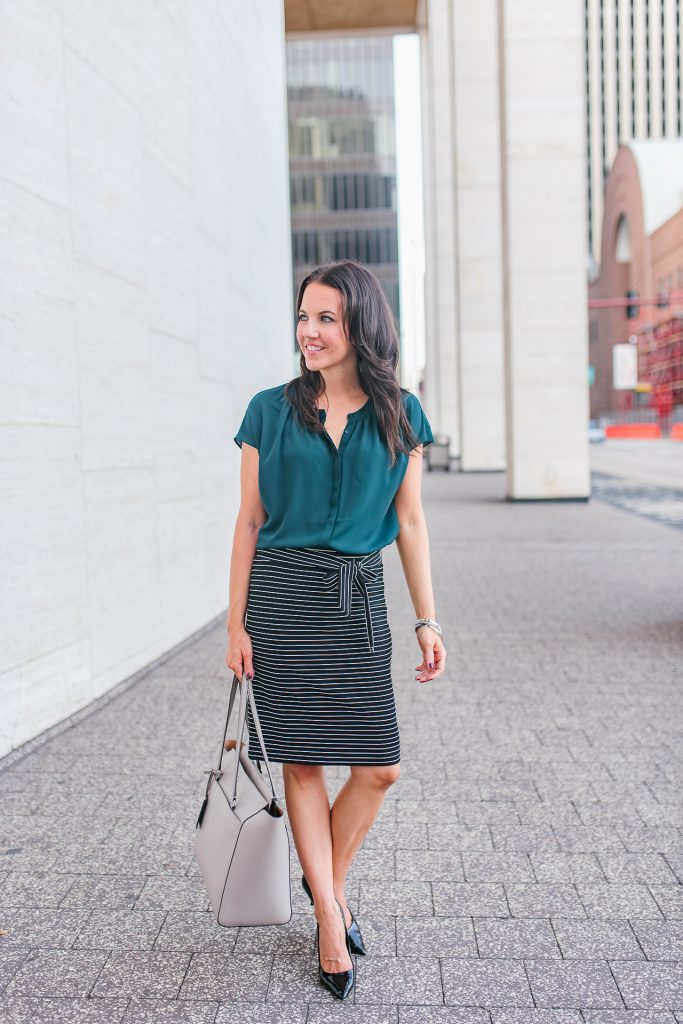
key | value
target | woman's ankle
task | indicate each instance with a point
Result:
(326, 909)
(341, 900)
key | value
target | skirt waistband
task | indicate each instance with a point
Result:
(342, 571)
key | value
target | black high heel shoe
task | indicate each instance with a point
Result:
(340, 983)
(356, 944)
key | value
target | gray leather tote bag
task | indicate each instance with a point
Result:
(241, 842)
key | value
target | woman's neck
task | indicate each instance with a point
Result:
(341, 388)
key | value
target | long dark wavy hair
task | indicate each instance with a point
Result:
(369, 325)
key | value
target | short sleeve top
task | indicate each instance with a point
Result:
(316, 495)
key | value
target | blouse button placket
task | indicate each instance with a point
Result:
(337, 453)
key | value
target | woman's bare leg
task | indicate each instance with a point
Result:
(308, 809)
(354, 810)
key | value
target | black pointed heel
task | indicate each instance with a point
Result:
(356, 944)
(339, 983)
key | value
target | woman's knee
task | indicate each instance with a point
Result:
(381, 775)
(302, 773)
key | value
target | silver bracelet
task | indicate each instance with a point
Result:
(429, 622)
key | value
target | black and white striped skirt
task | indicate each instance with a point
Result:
(322, 657)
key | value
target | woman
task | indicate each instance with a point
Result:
(331, 473)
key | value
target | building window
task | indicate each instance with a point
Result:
(622, 248)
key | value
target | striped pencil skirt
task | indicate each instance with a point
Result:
(321, 643)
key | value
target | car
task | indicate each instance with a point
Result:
(596, 433)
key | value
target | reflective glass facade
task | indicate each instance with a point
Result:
(342, 155)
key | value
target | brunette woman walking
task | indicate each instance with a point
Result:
(331, 473)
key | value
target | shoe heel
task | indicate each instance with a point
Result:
(307, 888)
(355, 943)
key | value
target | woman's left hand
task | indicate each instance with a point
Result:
(433, 654)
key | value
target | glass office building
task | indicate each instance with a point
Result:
(342, 155)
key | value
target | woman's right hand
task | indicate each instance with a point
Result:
(240, 656)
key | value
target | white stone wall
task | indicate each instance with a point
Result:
(145, 294)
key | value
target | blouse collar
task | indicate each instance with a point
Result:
(351, 415)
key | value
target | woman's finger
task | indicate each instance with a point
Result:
(428, 652)
(235, 663)
(438, 659)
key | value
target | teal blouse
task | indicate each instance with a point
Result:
(315, 495)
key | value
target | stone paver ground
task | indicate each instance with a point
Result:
(527, 866)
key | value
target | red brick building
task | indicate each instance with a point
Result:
(642, 265)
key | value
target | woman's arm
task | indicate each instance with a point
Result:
(250, 517)
(413, 547)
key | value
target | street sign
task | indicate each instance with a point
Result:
(624, 367)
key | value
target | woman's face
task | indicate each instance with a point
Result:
(320, 331)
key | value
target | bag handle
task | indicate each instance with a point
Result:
(246, 695)
(233, 691)
(247, 699)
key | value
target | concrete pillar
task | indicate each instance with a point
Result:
(479, 266)
(541, 51)
(505, 216)
(441, 374)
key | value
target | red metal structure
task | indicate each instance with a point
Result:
(660, 363)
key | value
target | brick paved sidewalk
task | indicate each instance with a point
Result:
(526, 867)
